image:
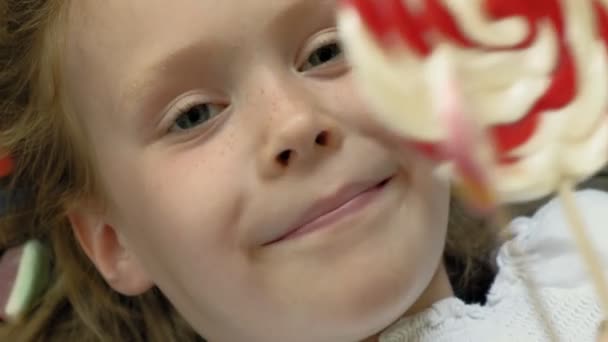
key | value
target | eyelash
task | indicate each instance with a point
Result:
(185, 109)
(327, 42)
(188, 107)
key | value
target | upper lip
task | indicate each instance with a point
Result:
(330, 203)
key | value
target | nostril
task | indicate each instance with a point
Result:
(284, 157)
(322, 138)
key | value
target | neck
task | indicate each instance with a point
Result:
(439, 288)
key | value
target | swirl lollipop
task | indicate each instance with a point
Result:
(509, 95)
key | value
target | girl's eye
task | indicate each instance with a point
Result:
(196, 115)
(323, 55)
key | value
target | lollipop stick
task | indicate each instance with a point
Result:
(502, 219)
(603, 332)
(472, 160)
(590, 257)
(577, 227)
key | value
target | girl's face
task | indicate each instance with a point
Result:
(231, 186)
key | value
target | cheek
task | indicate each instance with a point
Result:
(181, 221)
(178, 209)
(343, 98)
(435, 211)
(347, 105)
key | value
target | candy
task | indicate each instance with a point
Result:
(534, 75)
(510, 96)
(24, 272)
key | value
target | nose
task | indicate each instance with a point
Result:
(299, 136)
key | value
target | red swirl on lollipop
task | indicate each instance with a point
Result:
(392, 23)
(533, 76)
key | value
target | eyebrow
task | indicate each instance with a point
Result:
(141, 90)
(296, 12)
(137, 87)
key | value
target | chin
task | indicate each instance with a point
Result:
(375, 291)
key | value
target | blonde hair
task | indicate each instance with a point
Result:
(41, 136)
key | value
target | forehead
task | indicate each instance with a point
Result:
(112, 45)
(115, 37)
(129, 23)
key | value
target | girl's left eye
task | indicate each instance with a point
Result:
(327, 53)
(196, 115)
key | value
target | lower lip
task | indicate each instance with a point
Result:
(327, 220)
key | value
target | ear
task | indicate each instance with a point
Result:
(107, 250)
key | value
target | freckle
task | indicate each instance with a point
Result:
(227, 147)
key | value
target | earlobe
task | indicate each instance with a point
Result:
(107, 250)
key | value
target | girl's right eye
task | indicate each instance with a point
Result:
(196, 115)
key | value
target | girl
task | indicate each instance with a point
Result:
(183, 160)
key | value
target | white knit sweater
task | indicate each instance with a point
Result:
(551, 257)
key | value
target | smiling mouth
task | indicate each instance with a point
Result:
(329, 211)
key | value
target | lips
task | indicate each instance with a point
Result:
(326, 211)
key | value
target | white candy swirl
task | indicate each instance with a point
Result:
(500, 87)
